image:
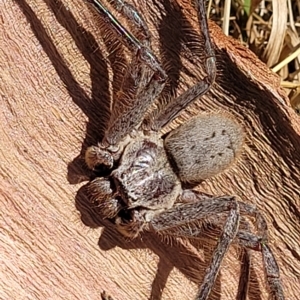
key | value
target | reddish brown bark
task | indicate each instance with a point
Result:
(56, 73)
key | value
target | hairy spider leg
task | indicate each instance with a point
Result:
(134, 18)
(173, 108)
(139, 88)
(178, 221)
(175, 221)
(195, 207)
(259, 242)
(136, 22)
(249, 241)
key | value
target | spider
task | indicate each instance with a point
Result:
(149, 180)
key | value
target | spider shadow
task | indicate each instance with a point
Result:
(96, 107)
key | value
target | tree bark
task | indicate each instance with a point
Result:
(59, 72)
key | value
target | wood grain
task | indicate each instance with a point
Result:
(58, 74)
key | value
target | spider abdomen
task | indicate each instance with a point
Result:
(205, 146)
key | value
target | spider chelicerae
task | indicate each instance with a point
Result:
(150, 175)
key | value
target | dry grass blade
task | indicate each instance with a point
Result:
(279, 22)
(270, 28)
(287, 60)
(226, 17)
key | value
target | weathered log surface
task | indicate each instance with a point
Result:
(56, 73)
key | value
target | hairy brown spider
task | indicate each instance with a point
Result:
(149, 174)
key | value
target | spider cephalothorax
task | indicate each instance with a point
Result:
(150, 175)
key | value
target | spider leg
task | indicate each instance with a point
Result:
(191, 196)
(173, 108)
(249, 241)
(179, 221)
(257, 243)
(136, 21)
(143, 80)
(131, 105)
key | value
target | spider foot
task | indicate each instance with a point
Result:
(96, 157)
